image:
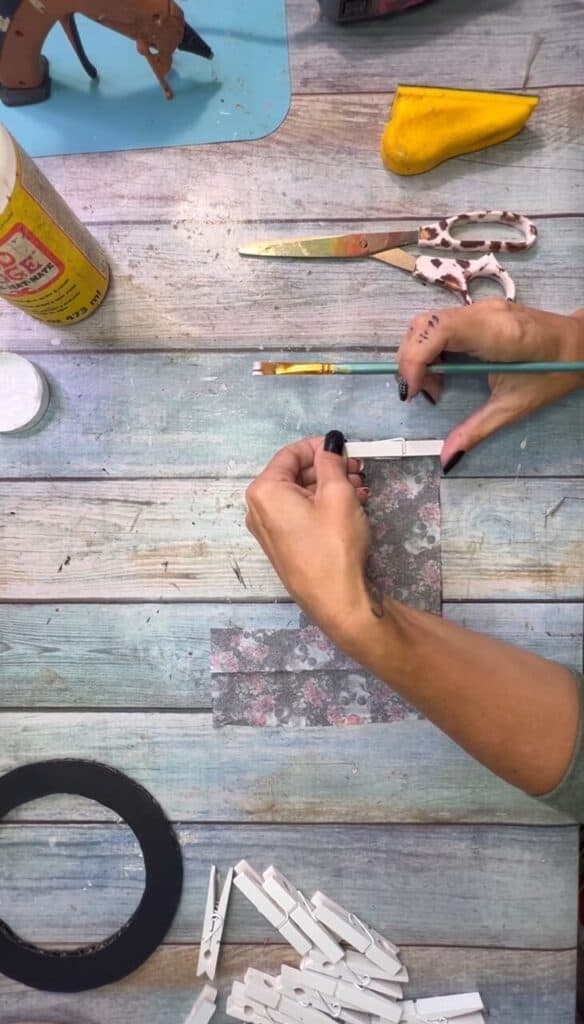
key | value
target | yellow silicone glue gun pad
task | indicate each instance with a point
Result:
(428, 125)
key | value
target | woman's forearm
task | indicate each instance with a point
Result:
(515, 712)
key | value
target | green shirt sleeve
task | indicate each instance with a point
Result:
(568, 796)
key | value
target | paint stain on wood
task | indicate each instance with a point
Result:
(238, 573)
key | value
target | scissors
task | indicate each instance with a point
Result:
(455, 274)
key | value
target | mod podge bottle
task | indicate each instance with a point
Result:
(50, 266)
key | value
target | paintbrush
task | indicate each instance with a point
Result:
(267, 369)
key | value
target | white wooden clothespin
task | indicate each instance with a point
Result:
(204, 1007)
(315, 961)
(355, 933)
(463, 1007)
(338, 1012)
(262, 991)
(468, 1018)
(241, 1006)
(244, 1013)
(393, 448)
(213, 924)
(303, 985)
(361, 966)
(251, 885)
(297, 907)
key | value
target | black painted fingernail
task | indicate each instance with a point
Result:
(334, 442)
(427, 395)
(402, 387)
(452, 462)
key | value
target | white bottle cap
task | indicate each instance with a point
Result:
(24, 393)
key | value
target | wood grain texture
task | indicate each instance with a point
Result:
(324, 162)
(399, 772)
(149, 655)
(418, 886)
(181, 540)
(171, 540)
(551, 630)
(491, 42)
(513, 539)
(184, 415)
(519, 986)
(204, 295)
(157, 655)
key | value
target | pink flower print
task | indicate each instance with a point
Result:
(313, 694)
(224, 661)
(335, 717)
(431, 574)
(255, 651)
(429, 513)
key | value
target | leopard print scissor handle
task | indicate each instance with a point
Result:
(457, 274)
(438, 234)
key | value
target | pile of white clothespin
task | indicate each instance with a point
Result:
(348, 972)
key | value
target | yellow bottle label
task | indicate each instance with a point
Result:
(50, 266)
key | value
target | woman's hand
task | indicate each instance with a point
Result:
(306, 511)
(495, 331)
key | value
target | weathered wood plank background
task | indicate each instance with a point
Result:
(523, 986)
(516, 872)
(280, 304)
(157, 655)
(369, 773)
(163, 415)
(122, 543)
(169, 539)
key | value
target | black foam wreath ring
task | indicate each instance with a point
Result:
(101, 963)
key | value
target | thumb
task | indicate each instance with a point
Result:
(330, 463)
(480, 424)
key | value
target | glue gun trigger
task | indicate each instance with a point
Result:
(160, 63)
(72, 32)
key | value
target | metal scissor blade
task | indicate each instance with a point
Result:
(331, 246)
(397, 258)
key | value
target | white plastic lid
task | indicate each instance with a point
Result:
(24, 393)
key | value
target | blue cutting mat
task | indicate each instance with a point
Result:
(243, 93)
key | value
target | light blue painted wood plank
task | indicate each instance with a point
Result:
(184, 540)
(396, 772)
(522, 986)
(492, 43)
(551, 630)
(146, 655)
(206, 296)
(154, 656)
(512, 539)
(205, 415)
(468, 886)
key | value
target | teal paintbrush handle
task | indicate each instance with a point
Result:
(461, 369)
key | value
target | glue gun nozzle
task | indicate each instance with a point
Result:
(192, 43)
